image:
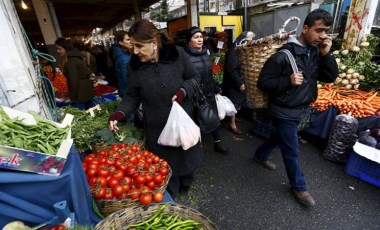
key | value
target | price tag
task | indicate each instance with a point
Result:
(220, 45)
(217, 59)
(91, 112)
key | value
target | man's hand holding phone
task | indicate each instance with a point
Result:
(325, 45)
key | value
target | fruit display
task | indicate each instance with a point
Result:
(127, 172)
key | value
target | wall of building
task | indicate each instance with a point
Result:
(221, 22)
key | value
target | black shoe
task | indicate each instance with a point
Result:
(303, 197)
(266, 164)
(218, 147)
(235, 131)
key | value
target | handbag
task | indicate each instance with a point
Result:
(206, 116)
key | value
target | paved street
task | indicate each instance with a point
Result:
(236, 193)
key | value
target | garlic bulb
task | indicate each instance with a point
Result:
(356, 86)
(348, 86)
(355, 49)
(350, 71)
(348, 76)
(338, 80)
(364, 44)
(344, 52)
(361, 77)
(345, 82)
(354, 81)
(355, 75)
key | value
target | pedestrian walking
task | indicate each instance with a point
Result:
(201, 60)
(291, 93)
(233, 84)
(159, 73)
(81, 88)
(121, 57)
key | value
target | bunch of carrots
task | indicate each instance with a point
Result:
(355, 102)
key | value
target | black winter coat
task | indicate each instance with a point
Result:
(81, 88)
(287, 101)
(154, 85)
(201, 61)
(232, 78)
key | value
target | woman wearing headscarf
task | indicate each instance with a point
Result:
(81, 88)
(233, 85)
(158, 74)
(201, 60)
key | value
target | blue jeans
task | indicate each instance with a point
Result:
(286, 137)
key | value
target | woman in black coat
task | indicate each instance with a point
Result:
(199, 56)
(158, 74)
(233, 85)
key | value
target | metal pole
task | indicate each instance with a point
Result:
(245, 20)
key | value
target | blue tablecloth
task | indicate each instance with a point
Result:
(321, 122)
(30, 197)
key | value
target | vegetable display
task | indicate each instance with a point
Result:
(85, 126)
(166, 221)
(44, 136)
(217, 65)
(358, 103)
(357, 71)
(126, 172)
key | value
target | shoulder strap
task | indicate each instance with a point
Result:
(291, 60)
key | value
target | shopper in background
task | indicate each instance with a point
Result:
(209, 43)
(158, 74)
(291, 93)
(233, 84)
(201, 60)
(121, 57)
(77, 73)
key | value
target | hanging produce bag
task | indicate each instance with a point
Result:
(225, 106)
(180, 129)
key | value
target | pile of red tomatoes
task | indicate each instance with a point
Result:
(126, 172)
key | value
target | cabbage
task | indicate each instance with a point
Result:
(376, 134)
(368, 140)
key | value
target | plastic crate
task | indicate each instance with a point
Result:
(364, 169)
(262, 129)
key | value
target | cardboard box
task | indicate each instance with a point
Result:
(30, 161)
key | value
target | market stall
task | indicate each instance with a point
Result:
(29, 197)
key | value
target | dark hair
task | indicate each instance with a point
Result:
(144, 31)
(316, 15)
(120, 35)
(63, 42)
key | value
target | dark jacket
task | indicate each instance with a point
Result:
(121, 58)
(201, 61)
(78, 78)
(232, 78)
(154, 85)
(291, 102)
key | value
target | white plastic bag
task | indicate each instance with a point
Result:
(225, 106)
(180, 129)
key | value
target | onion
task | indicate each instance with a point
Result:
(355, 49)
(364, 44)
(338, 80)
(354, 81)
(355, 75)
(350, 71)
(344, 52)
(348, 76)
(348, 86)
(345, 82)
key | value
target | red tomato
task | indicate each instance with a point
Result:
(151, 184)
(140, 179)
(92, 181)
(134, 193)
(158, 197)
(102, 153)
(103, 172)
(164, 171)
(101, 181)
(123, 167)
(133, 160)
(158, 178)
(118, 190)
(112, 182)
(148, 178)
(61, 227)
(165, 164)
(118, 174)
(127, 180)
(110, 161)
(99, 193)
(91, 172)
(156, 159)
(93, 166)
(146, 199)
(123, 196)
(108, 195)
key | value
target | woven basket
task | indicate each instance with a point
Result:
(107, 207)
(252, 56)
(133, 215)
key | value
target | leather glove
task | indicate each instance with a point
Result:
(117, 116)
(180, 95)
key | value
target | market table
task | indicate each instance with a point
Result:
(30, 197)
(321, 122)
